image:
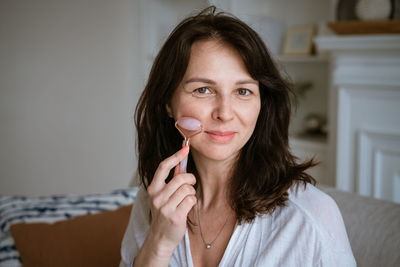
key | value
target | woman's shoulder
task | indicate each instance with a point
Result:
(320, 211)
(310, 210)
(318, 206)
(310, 217)
(307, 206)
(310, 199)
(324, 215)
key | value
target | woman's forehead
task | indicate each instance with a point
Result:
(210, 59)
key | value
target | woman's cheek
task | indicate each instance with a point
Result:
(195, 108)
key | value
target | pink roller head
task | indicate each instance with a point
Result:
(189, 123)
(188, 127)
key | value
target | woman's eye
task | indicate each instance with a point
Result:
(243, 92)
(202, 91)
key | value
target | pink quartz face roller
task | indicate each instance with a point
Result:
(188, 127)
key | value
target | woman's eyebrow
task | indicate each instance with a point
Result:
(247, 82)
(202, 80)
(208, 81)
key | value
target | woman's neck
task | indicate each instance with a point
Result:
(214, 177)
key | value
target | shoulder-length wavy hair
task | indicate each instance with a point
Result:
(267, 169)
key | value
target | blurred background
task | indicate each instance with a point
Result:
(71, 73)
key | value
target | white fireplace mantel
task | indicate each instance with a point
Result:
(365, 113)
(370, 59)
(359, 43)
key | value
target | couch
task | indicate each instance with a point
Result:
(373, 228)
(87, 230)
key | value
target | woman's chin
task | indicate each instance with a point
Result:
(217, 154)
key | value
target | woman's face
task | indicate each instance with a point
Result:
(217, 90)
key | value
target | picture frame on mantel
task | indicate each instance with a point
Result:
(298, 40)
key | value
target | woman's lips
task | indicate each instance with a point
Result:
(221, 136)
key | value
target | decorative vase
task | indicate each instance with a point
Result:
(373, 9)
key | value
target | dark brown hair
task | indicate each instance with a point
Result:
(267, 168)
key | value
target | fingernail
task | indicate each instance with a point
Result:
(184, 149)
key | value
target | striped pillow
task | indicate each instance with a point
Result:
(15, 209)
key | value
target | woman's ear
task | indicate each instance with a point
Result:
(169, 110)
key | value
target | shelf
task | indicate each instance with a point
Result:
(366, 27)
(353, 43)
(303, 58)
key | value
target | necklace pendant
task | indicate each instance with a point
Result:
(208, 246)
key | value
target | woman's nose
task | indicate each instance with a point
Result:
(223, 109)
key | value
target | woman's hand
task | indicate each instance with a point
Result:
(170, 205)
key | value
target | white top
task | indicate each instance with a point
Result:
(308, 231)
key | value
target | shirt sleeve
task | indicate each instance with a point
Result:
(337, 258)
(336, 250)
(136, 230)
(335, 245)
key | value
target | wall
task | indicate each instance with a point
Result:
(154, 32)
(68, 86)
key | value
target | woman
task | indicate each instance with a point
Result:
(244, 201)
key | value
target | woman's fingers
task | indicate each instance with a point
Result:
(179, 204)
(177, 182)
(180, 194)
(164, 168)
(161, 198)
(186, 205)
(171, 203)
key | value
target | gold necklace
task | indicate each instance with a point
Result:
(208, 245)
